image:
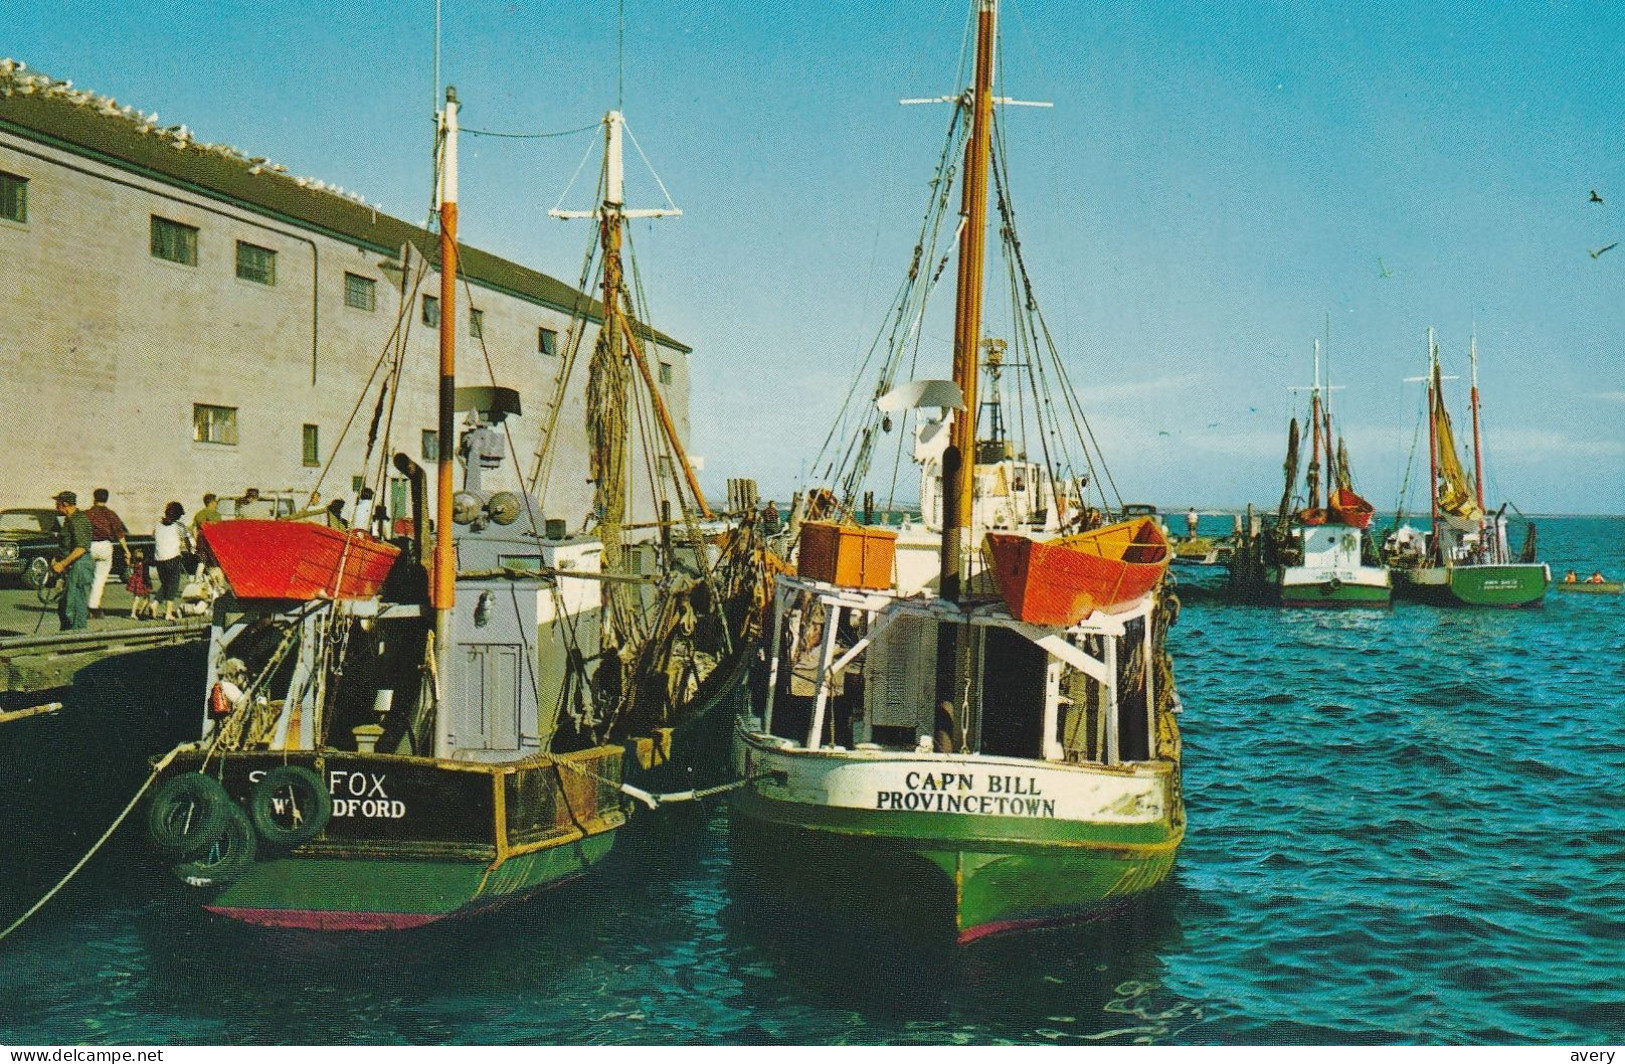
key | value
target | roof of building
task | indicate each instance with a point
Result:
(42, 109)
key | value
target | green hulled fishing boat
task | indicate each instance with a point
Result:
(1313, 554)
(968, 724)
(1465, 559)
(401, 730)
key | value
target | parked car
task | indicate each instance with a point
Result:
(28, 541)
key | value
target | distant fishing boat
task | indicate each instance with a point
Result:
(1313, 555)
(944, 746)
(1465, 559)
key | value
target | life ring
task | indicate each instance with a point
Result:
(227, 857)
(187, 813)
(1333, 586)
(289, 793)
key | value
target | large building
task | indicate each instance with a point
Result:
(179, 318)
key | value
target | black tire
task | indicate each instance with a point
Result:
(298, 789)
(227, 857)
(187, 813)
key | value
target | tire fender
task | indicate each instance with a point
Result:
(187, 813)
(285, 788)
(226, 858)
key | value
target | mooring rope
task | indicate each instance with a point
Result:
(157, 770)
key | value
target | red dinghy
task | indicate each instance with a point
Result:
(1061, 581)
(298, 560)
(1349, 509)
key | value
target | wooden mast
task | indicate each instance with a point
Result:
(1478, 457)
(959, 462)
(1314, 431)
(443, 589)
(1433, 444)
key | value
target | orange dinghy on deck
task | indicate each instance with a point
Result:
(1349, 509)
(298, 560)
(1059, 582)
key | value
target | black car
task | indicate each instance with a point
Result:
(28, 541)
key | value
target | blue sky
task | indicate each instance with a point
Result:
(1216, 186)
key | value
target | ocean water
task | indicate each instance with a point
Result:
(1406, 826)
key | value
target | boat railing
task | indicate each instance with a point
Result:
(882, 609)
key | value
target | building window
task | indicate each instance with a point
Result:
(547, 341)
(214, 424)
(665, 373)
(173, 241)
(312, 448)
(431, 445)
(256, 264)
(476, 323)
(13, 197)
(360, 292)
(431, 310)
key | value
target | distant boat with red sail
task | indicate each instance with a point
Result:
(1061, 581)
(298, 560)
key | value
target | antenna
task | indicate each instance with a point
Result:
(620, 56)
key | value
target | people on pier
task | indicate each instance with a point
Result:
(1190, 523)
(73, 561)
(208, 515)
(106, 529)
(169, 543)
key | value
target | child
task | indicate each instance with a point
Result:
(136, 584)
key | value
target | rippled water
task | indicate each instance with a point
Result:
(1405, 826)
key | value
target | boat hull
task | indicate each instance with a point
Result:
(1061, 581)
(1044, 843)
(413, 841)
(1495, 586)
(1362, 586)
(1607, 587)
(298, 560)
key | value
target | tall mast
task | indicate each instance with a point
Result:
(1433, 440)
(1478, 456)
(444, 588)
(1314, 429)
(959, 464)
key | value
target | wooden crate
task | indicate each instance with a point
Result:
(848, 555)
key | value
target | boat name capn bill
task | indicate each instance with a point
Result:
(1006, 795)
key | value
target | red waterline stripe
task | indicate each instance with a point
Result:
(326, 920)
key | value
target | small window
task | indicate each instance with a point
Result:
(431, 445)
(256, 264)
(312, 448)
(173, 241)
(547, 341)
(13, 197)
(214, 424)
(476, 323)
(665, 373)
(431, 310)
(357, 482)
(360, 292)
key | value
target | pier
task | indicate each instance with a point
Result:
(35, 655)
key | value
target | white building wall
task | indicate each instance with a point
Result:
(104, 350)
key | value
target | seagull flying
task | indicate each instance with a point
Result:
(1594, 197)
(1599, 251)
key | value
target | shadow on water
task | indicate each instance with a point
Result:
(68, 774)
(1098, 980)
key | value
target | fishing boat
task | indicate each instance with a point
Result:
(1465, 559)
(968, 721)
(380, 752)
(1315, 554)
